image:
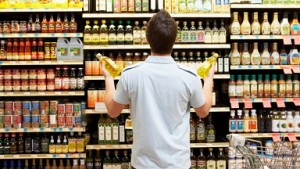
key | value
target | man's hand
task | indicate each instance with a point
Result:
(104, 71)
(210, 75)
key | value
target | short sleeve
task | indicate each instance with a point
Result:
(121, 95)
(197, 96)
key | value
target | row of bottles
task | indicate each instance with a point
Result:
(266, 121)
(35, 143)
(111, 159)
(265, 57)
(201, 131)
(210, 161)
(37, 26)
(265, 28)
(257, 88)
(41, 164)
(153, 6)
(265, 2)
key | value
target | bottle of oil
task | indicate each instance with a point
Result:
(103, 33)
(204, 68)
(120, 33)
(112, 34)
(95, 33)
(113, 69)
(87, 33)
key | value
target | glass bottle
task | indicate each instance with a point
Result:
(185, 33)
(235, 28)
(260, 86)
(192, 130)
(87, 33)
(51, 24)
(281, 86)
(283, 57)
(112, 33)
(13, 144)
(210, 131)
(125, 163)
(200, 131)
(221, 160)
(296, 86)
(255, 55)
(103, 33)
(28, 144)
(253, 86)
(73, 24)
(267, 86)
(208, 33)
(137, 40)
(128, 34)
(75, 164)
(54, 165)
(285, 28)
(295, 26)
(193, 160)
(255, 24)
(107, 163)
(235, 58)
(37, 25)
(36, 144)
(64, 146)
(211, 161)
(266, 27)
(20, 144)
(143, 32)
(80, 143)
(182, 6)
(222, 33)
(183, 60)
(45, 144)
(245, 27)
(47, 164)
(178, 35)
(193, 33)
(215, 33)
(274, 86)
(66, 25)
(191, 61)
(294, 56)
(289, 86)
(275, 26)
(95, 33)
(245, 55)
(120, 33)
(44, 25)
(201, 160)
(65, 79)
(58, 24)
(30, 24)
(200, 33)
(58, 149)
(73, 81)
(265, 56)
(116, 160)
(61, 164)
(80, 79)
(275, 59)
(33, 165)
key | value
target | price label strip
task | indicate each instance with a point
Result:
(266, 103)
(292, 137)
(248, 103)
(276, 137)
(234, 103)
(296, 69)
(287, 69)
(297, 40)
(296, 101)
(280, 103)
(287, 40)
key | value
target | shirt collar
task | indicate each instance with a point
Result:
(160, 59)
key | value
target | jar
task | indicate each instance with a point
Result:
(50, 74)
(1, 74)
(16, 85)
(25, 85)
(32, 74)
(6, 27)
(41, 85)
(47, 51)
(7, 74)
(41, 74)
(16, 74)
(23, 26)
(52, 51)
(15, 27)
(24, 74)
(50, 84)
(32, 85)
(8, 85)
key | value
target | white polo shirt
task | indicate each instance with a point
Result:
(160, 94)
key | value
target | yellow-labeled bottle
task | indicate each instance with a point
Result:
(204, 67)
(113, 69)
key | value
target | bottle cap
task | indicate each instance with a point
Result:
(253, 77)
(246, 77)
(260, 77)
(239, 112)
(296, 77)
(232, 113)
(253, 112)
(232, 77)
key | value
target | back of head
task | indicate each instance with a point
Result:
(161, 33)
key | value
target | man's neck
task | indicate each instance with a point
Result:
(161, 55)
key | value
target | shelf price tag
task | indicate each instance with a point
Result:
(296, 101)
(287, 69)
(297, 40)
(292, 137)
(287, 40)
(280, 103)
(266, 103)
(276, 137)
(234, 103)
(53, 155)
(248, 103)
(296, 69)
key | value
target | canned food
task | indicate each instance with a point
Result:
(8, 74)
(53, 107)
(44, 121)
(8, 107)
(27, 121)
(61, 109)
(8, 86)
(32, 74)
(41, 85)
(8, 121)
(76, 108)
(44, 107)
(25, 74)
(32, 86)
(69, 120)
(50, 84)
(17, 107)
(35, 107)
(16, 85)
(77, 121)
(16, 74)
(69, 108)
(41, 74)
(26, 107)
(17, 121)
(53, 120)
(35, 121)
(61, 120)
(1, 121)
(25, 85)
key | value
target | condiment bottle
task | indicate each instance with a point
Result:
(45, 144)
(22, 50)
(72, 143)
(253, 86)
(54, 165)
(210, 131)
(261, 122)
(253, 121)
(80, 79)
(75, 164)
(255, 24)
(15, 51)
(246, 122)
(64, 146)
(281, 86)
(266, 27)
(9, 50)
(201, 160)
(214, 37)
(222, 33)
(275, 59)
(37, 25)
(66, 25)
(267, 86)
(103, 33)
(296, 122)
(245, 55)
(289, 122)
(235, 28)
(73, 81)
(68, 166)
(246, 87)
(58, 25)
(239, 87)
(255, 55)
(73, 24)
(87, 33)
(208, 33)
(232, 87)
(295, 26)
(193, 160)
(82, 164)
(128, 33)
(289, 86)
(205, 67)
(88, 65)
(58, 79)
(296, 86)
(283, 124)
(265, 56)
(232, 122)
(47, 164)
(65, 79)
(200, 137)
(61, 164)
(13, 144)
(95, 67)
(274, 86)
(27, 50)
(285, 28)
(34, 50)
(80, 143)
(58, 146)
(112, 33)
(221, 162)
(283, 57)
(260, 86)
(294, 56)
(41, 166)
(40, 50)
(235, 58)
(96, 33)
(45, 25)
(51, 24)
(211, 161)
(275, 26)
(245, 27)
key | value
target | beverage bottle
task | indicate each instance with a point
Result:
(72, 143)
(232, 122)
(221, 160)
(6, 145)
(13, 144)
(90, 160)
(113, 69)
(66, 25)
(58, 25)
(125, 163)
(193, 161)
(58, 145)
(261, 122)
(205, 67)
(116, 160)
(185, 33)
(44, 25)
(80, 79)
(73, 24)
(192, 130)
(47, 164)
(143, 33)
(80, 143)
(61, 164)
(98, 161)
(112, 33)
(200, 131)
(82, 164)
(54, 165)
(52, 146)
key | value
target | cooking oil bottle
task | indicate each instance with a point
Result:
(113, 69)
(204, 67)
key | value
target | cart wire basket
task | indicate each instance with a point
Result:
(283, 156)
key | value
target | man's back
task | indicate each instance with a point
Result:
(160, 94)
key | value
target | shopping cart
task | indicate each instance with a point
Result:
(283, 156)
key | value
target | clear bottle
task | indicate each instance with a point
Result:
(137, 40)
(65, 147)
(185, 33)
(52, 145)
(30, 24)
(283, 57)
(182, 6)
(128, 37)
(245, 55)
(143, 32)
(275, 26)
(239, 120)
(200, 131)
(255, 55)
(58, 24)
(120, 33)
(294, 56)
(87, 33)
(54, 165)
(296, 86)
(222, 33)
(125, 163)
(246, 122)
(215, 33)
(232, 122)
(235, 58)
(281, 86)
(107, 163)
(285, 28)
(75, 164)
(58, 145)
(275, 59)
(246, 86)
(290, 122)
(193, 33)
(255, 27)
(37, 24)
(267, 87)
(235, 27)
(103, 33)
(266, 27)
(80, 143)
(253, 86)
(112, 33)
(200, 33)
(208, 33)
(178, 35)
(239, 87)
(245, 27)
(265, 56)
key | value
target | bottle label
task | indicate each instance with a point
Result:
(232, 126)
(138, 5)
(232, 90)
(95, 38)
(103, 37)
(246, 89)
(101, 133)
(102, 5)
(253, 90)
(137, 36)
(215, 37)
(193, 164)
(239, 90)
(220, 65)
(145, 6)
(275, 125)
(193, 36)
(208, 37)
(120, 37)
(116, 166)
(115, 133)
(221, 164)
(178, 37)
(256, 28)
(274, 88)
(107, 166)
(112, 37)
(211, 164)
(253, 125)
(246, 125)
(296, 88)
(201, 132)
(107, 133)
(222, 37)
(275, 29)
(266, 30)
(200, 36)
(128, 37)
(240, 125)
(125, 165)
(192, 133)
(185, 36)
(211, 137)
(201, 164)
(235, 28)
(226, 65)
(109, 6)
(80, 83)
(122, 133)
(98, 164)
(73, 83)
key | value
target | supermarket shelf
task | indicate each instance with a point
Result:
(126, 111)
(129, 146)
(41, 10)
(46, 93)
(40, 35)
(264, 6)
(176, 46)
(88, 78)
(260, 100)
(37, 130)
(259, 37)
(42, 156)
(39, 63)
(264, 135)
(149, 15)
(257, 67)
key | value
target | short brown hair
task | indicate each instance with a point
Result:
(161, 33)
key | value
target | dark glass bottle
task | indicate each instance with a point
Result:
(36, 146)
(193, 161)
(261, 122)
(125, 160)
(45, 144)
(73, 82)
(13, 144)
(128, 33)
(116, 160)
(107, 160)
(37, 24)
(12, 164)
(26, 164)
(28, 145)
(201, 160)
(20, 144)
(1, 144)
(41, 165)
(19, 164)
(80, 80)
(6, 144)
(98, 162)
(210, 131)
(33, 166)
(90, 160)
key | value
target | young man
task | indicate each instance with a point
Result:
(160, 94)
